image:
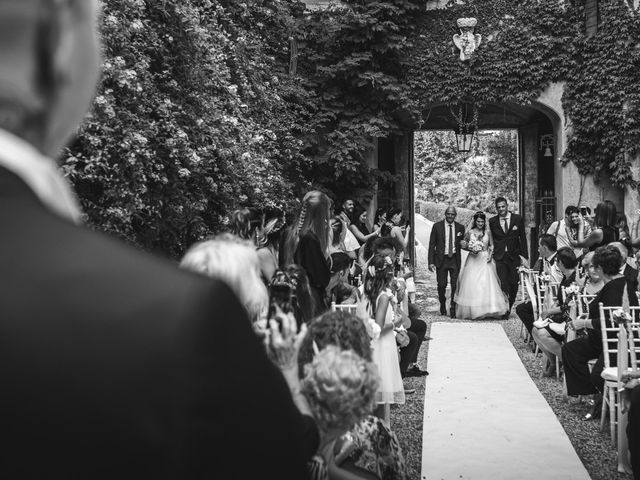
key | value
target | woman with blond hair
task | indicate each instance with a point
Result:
(234, 261)
(307, 243)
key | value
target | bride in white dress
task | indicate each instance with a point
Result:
(478, 294)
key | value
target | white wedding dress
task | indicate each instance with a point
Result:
(478, 294)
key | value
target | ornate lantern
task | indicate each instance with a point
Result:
(466, 125)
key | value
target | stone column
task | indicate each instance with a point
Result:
(529, 175)
(632, 201)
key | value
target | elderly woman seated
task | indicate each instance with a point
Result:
(589, 281)
(366, 448)
(576, 354)
(550, 336)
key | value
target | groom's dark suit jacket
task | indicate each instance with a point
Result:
(515, 239)
(437, 247)
(115, 364)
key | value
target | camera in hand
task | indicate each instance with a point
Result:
(281, 293)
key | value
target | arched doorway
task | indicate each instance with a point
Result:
(540, 180)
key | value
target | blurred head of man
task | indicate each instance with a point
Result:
(49, 66)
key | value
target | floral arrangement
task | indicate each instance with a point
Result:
(373, 329)
(572, 291)
(619, 316)
(475, 246)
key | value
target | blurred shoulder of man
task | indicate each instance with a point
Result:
(115, 363)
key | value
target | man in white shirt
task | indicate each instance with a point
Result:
(568, 226)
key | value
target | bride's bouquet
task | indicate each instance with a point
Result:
(475, 246)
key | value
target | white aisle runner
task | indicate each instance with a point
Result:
(484, 418)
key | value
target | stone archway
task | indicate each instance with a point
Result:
(545, 185)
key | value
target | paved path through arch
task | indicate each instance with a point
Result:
(484, 418)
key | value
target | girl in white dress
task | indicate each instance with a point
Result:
(478, 294)
(382, 306)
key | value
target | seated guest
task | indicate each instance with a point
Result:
(370, 449)
(577, 353)
(340, 388)
(339, 290)
(630, 273)
(549, 338)
(235, 261)
(590, 282)
(547, 247)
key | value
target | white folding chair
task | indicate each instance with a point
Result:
(528, 294)
(349, 308)
(610, 396)
(544, 290)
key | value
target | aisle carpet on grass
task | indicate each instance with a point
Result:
(484, 418)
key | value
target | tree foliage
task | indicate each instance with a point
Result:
(198, 112)
(467, 180)
(195, 116)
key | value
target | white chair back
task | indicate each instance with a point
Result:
(584, 299)
(546, 292)
(351, 308)
(610, 332)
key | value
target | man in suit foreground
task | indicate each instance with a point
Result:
(509, 248)
(444, 256)
(115, 364)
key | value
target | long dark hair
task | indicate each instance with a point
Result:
(313, 217)
(478, 215)
(377, 276)
(605, 214)
(357, 212)
(378, 216)
(305, 307)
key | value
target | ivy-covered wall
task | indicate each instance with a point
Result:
(206, 106)
(526, 46)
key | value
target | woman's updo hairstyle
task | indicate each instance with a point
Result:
(608, 258)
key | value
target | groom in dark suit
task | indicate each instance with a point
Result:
(509, 248)
(444, 256)
(114, 364)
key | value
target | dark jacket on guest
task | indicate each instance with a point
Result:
(631, 274)
(116, 364)
(437, 247)
(511, 244)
